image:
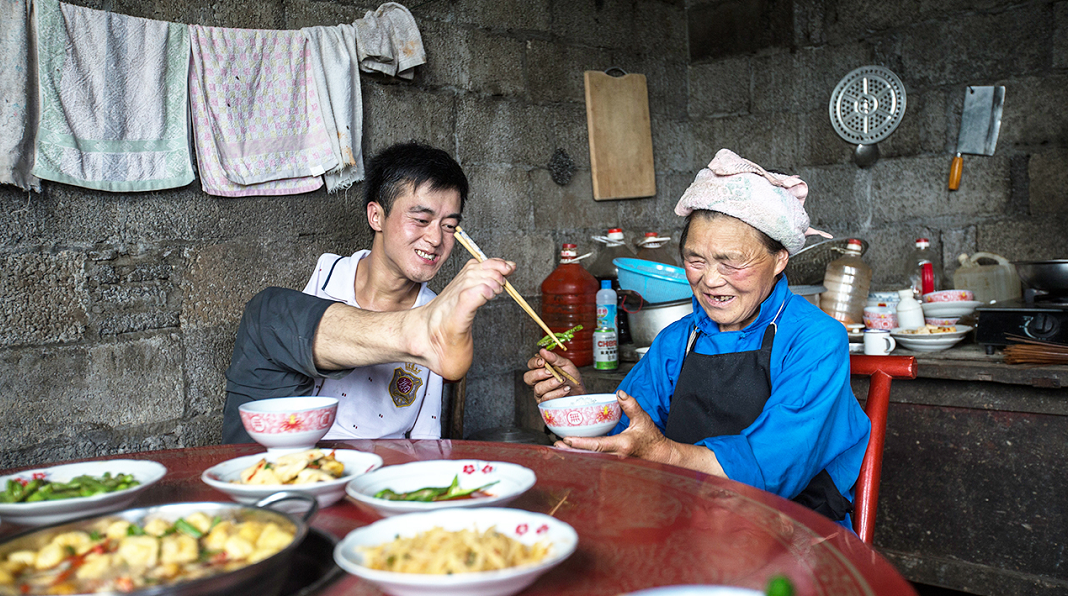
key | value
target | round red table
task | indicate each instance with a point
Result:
(640, 524)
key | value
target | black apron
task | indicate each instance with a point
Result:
(723, 394)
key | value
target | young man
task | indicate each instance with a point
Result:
(414, 198)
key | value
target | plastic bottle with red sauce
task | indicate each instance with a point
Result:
(569, 298)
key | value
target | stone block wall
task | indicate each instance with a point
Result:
(119, 310)
(769, 103)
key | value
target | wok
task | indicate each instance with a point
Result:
(1048, 276)
(264, 577)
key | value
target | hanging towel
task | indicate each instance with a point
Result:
(337, 78)
(113, 100)
(258, 124)
(388, 41)
(18, 95)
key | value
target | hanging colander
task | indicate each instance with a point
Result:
(865, 107)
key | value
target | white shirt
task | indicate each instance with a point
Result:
(384, 401)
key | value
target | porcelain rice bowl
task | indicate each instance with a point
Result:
(590, 415)
(288, 423)
(949, 296)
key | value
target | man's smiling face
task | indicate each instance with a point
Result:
(418, 233)
(729, 269)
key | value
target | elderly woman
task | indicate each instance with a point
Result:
(754, 385)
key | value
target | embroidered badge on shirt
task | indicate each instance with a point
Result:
(405, 385)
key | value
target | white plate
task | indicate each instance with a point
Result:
(50, 512)
(514, 480)
(524, 526)
(945, 310)
(934, 342)
(220, 477)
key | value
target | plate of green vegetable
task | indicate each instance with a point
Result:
(68, 491)
(440, 484)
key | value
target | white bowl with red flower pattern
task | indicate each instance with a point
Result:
(590, 415)
(526, 527)
(948, 296)
(508, 482)
(283, 424)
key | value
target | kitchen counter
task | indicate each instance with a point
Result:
(973, 495)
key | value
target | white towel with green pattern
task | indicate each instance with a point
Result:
(114, 100)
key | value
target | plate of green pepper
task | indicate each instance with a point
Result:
(68, 491)
(440, 484)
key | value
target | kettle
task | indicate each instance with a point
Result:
(989, 283)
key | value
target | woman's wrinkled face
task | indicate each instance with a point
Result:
(730, 270)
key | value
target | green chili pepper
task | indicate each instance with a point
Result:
(432, 493)
(547, 341)
(187, 528)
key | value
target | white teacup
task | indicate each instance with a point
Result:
(878, 342)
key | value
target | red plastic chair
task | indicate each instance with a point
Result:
(882, 370)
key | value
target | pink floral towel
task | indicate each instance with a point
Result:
(257, 119)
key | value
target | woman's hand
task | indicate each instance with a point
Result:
(644, 440)
(641, 439)
(545, 385)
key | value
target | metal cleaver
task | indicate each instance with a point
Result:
(980, 123)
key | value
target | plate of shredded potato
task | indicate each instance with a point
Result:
(457, 552)
(321, 473)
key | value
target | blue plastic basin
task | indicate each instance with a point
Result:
(656, 282)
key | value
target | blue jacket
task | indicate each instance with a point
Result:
(811, 422)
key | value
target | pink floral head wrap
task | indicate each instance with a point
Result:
(771, 203)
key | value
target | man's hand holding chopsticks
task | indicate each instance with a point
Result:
(547, 385)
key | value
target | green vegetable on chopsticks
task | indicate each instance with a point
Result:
(433, 493)
(547, 341)
(19, 490)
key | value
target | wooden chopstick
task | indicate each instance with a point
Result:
(476, 252)
(557, 369)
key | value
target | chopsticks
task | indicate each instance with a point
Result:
(476, 252)
(1030, 351)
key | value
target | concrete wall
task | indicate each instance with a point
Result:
(119, 310)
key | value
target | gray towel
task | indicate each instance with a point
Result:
(18, 95)
(388, 41)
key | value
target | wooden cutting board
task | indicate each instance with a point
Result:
(621, 141)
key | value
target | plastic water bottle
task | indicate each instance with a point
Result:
(568, 298)
(923, 272)
(653, 247)
(615, 246)
(847, 280)
(605, 338)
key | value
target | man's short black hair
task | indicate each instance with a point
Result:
(412, 163)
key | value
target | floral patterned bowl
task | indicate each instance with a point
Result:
(590, 415)
(288, 423)
(948, 296)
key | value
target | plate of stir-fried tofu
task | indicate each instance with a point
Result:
(320, 473)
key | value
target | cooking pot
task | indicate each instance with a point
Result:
(1048, 276)
(264, 577)
(649, 319)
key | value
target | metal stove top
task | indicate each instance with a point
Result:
(1042, 317)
